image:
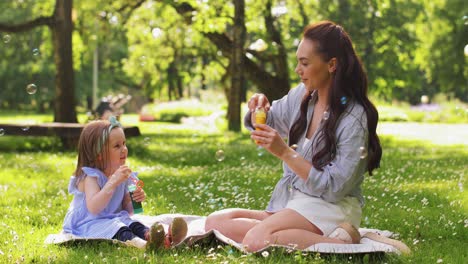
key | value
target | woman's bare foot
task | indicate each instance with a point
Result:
(347, 233)
(402, 247)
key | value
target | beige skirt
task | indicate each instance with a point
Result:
(324, 215)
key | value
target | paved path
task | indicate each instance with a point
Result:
(440, 134)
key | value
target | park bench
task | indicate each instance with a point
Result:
(69, 133)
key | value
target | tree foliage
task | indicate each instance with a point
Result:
(171, 49)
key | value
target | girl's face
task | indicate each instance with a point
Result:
(118, 150)
(315, 73)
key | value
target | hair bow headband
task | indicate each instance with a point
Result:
(105, 133)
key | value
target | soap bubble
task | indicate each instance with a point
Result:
(344, 100)
(31, 88)
(260, 151)
(2, 132)
(146, 141)
(6, 38)
(362, 152)
(35, 52)
(326, 115)
(424, 99)
(219, 155)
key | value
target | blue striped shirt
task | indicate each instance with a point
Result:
(345, 173)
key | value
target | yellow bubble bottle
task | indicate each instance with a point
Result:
(260, 116)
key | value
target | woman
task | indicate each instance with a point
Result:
(330, 125)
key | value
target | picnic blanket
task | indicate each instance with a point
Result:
(196, 233)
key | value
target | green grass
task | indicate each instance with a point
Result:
(419, 193)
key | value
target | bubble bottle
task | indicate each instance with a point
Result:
(260, 116)
(133, 184)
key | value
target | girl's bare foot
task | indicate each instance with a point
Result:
(156, 237)
(177, 231)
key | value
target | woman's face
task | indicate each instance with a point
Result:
(313, 70)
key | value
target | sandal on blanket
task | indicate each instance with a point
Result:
(347, 233)
(402, 247)
(156, 237)
(177, 232)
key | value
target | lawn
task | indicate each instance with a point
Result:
(419, 192)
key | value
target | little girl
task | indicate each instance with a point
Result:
(102, 206)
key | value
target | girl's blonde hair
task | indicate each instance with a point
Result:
(93, 147)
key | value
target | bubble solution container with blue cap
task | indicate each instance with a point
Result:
(132, 186)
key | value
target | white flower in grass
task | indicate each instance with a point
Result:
(265, 254)
(425, 201)
(440, 260)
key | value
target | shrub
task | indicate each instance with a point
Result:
(174, 111)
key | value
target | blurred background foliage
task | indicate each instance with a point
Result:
(163, 50)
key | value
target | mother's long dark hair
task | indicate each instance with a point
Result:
(349, 86)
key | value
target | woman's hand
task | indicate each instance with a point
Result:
(269, 139)
(258, 100)
(139, 195)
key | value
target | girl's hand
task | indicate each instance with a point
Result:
(139, 195)
(269, 139)
(258, 100)
(121, 174)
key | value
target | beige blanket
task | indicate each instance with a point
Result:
(197, 233)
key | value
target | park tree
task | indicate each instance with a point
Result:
(268, 70)
(178, 41)
(61, 25)
(443, 31)
(384, 36)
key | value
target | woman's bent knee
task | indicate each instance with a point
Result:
(216, 219)
(256, 239)
(212, 222)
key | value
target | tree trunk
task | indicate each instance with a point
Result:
(64, 106)
(237, 80)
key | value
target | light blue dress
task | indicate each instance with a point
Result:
(80, 222)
